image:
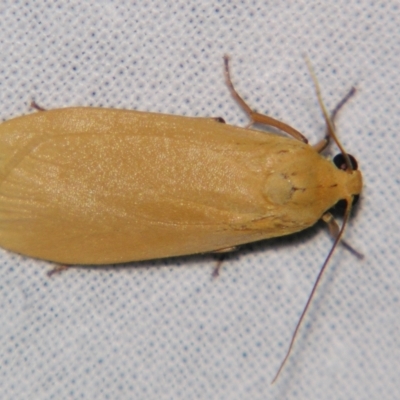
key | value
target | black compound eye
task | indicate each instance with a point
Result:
(340, 161)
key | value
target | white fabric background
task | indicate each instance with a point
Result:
(166, 330)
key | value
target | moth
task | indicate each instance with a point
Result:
(103, 186)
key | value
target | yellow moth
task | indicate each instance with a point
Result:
(103, 186)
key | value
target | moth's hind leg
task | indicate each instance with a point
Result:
(255, 117)
(221, 255)
(57, 269)
(36, 106)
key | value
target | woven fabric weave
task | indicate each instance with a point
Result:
(166, 329)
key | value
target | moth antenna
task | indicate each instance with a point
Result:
(328, 120)
(316, 283)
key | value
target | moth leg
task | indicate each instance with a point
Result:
(321, 145)
(225, 250)
(257, 118)
(342, 102)
(221, 258)
(215, 273)
(36, 106)
(219, 119)
(58, 269)
(334, 231)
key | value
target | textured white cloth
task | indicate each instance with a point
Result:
(166, 330)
